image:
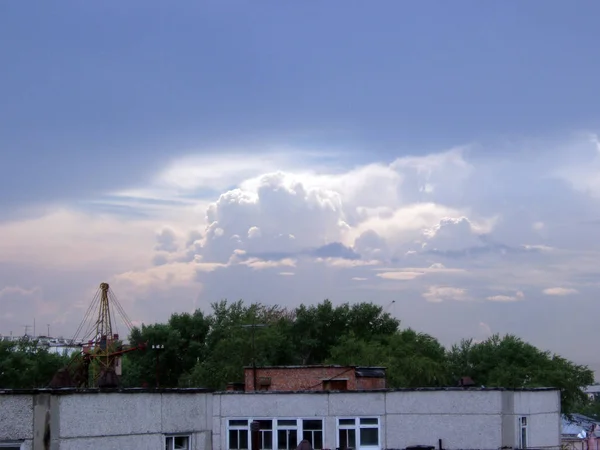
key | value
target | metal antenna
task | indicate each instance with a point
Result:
(254, 326)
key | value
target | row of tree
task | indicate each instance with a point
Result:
(209, 350)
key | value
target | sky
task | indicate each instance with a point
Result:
(440, 159)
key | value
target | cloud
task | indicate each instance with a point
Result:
(452, 228)
(507, 298)
(412, 273)
(166, 241)
(437, 294)
(560, 291)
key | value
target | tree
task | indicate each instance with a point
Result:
(235, 340)
(26, 365)
(184, 339)
(318, 328)
(512, 363)
(412, 359)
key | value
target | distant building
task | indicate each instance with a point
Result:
(312, 378)
(579, 432)
(593, 392)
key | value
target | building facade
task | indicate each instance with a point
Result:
(313, 378)
(453, 418)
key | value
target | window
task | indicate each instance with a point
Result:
(287, 434)
(265, 435)
(363, 431)
(312, 431)
(275, 434)
(238, 435)
(523, 432)
(335, 385)
(10, 445)
(177, 442)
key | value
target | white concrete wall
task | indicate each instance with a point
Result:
(543, 416)
(16, 418)
(133, 420)
(462, 419)
(468, 419)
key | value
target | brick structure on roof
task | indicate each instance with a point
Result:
(314, 378)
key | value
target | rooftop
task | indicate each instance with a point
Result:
(72, 391)
(317, 366)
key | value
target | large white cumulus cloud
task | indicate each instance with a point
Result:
(380, 211)
(280, 215)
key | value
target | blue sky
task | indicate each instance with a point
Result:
(176, 148)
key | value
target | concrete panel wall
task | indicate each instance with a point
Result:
(455, 430)
(134, 442)
(543, 416)
(273, 404)
(436, 402)
(531, 402)
(96, 414)
(200, 441)
(462, 419)
(182, 413)
(16, 417)
(133, 420)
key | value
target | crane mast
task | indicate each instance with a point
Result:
(99, 362)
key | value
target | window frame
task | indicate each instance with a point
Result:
(11, 445)
(312, 432)
(286, 428)
(298, 427)
(237, 428)
(175, 435)
(523, 427)
(357, 427)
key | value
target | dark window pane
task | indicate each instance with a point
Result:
(369, 436)
(181, 443)
(281, 439)
(266, 440)
(293, 439)
(314, 437)
(286, 422)
(233, 439)
(287, 439)
(169, 443)
(266, 424)
(243, 439)
(269, 440)
(318, 443)
(238, 423)
(369, 421)
(312, 424)
(347, 438)
(347, 421)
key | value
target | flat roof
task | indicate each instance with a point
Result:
(375, 391)
(72, 391)
(317, 366)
